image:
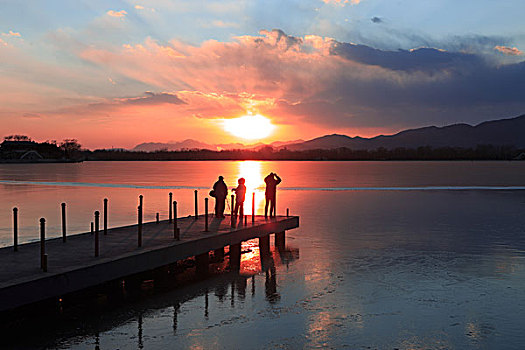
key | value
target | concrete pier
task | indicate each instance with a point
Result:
(72, 267)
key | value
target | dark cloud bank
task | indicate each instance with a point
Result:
(415, 87)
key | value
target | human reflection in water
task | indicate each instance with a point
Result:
(270, 282)
(272, 180)
(220, 191)
(270, 286)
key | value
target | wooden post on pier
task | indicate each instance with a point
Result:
(253, 207)
(169, 206)
(15, 229)
(232, 213)
(176, 229)
(287, 212)
(196, 205)
(157, 219)
(42, 241)
(206, 214)
(63, 222)
(92, 229)
(44, 263)
(139, 230)
(105, 216)
(97, 218)
(141, 200)
(235, 256)
(280, 240)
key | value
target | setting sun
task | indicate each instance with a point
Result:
(249, 126)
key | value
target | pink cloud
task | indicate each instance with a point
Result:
(269, 73)
(342, 2)
(510, 51)
(11, 33)
(118, 14)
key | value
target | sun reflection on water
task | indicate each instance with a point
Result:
(251, 171)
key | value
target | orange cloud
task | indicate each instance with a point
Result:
(272, 74)
(222, 24)
(342, 2)
(11, 33)
(119, 14)
(510, 51)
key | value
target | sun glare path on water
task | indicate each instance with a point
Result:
(249, 126)
(252, 172)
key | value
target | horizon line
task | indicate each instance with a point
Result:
(340, 189)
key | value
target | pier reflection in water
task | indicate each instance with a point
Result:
(224, 287)
(139, 309)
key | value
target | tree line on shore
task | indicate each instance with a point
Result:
(15, 145)
(481, 152)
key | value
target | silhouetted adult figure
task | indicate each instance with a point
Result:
(240, 194)
(272, 180)
(220, 191)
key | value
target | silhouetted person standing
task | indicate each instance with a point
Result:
(240, 194)
(220, 191)
(272, 180)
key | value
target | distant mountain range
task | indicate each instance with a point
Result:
(502, 132)
(194, 144)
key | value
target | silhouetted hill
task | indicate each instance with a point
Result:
(194, 144)
(503, 132)
(176, 146)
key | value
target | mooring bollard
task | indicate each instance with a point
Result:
(287, 212)
(105, 216)
(157, 218)
(206, 214)
(253, 207)
(97, 218)
(42, 241)
(196, 205)
(169, 207)
(176, 230)
(15, 229)
(139, 230)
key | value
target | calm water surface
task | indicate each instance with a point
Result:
(395, 267)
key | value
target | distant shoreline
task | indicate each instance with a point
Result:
(39, 161)
(481, 152)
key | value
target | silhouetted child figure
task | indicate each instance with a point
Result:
(240, 194)
(220, 191)
(272, 180)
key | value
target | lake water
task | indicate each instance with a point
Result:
(388, 255)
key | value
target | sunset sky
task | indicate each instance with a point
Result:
(118, 73)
